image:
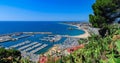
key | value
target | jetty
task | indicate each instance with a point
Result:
(37, 32)
(28, 45)
(37, 49)
(5, 38)
(51, 38)
(32, 47)
(20, 44)
(19, 35)
(25, 36)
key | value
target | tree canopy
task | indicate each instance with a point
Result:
(5, 54)
(105, 12)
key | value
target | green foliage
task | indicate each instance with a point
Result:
(99, 49)
(97, 21)
(13, 54)
(25, 60)
(103, 10)
(118, 45)
(2, 53)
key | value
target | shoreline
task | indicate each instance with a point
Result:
(85, 35)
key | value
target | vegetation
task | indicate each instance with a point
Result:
(9, 55)
(12, 56)
(98, 50)
(105, 12)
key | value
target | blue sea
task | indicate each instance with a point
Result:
(37, 26)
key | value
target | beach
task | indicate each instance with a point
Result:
(85, 35)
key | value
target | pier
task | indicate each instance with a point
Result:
(51, 38)
(5, 38)
(19, 35)
(37, 49)
(30, 48)
(37, 32)
(28, 45)
(25, 36)
(20, 44)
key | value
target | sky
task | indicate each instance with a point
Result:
(45, 10)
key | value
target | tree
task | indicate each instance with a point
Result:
(9, 55)
(2, 53)
(105, 12)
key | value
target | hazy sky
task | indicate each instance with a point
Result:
(45, 10)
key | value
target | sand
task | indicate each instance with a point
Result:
(85, 35)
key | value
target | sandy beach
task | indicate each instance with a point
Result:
(85, 35)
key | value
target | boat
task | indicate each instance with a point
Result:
(70, 28)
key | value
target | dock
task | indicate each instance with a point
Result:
(28, 45)
(32, 47)
(37, 49)
(10, 36)
(20, 44)
(37, 32)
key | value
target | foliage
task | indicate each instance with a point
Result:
(25, 60)
(99, 49)
(105, 12)
(9, 55)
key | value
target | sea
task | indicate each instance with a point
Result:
(55, 27)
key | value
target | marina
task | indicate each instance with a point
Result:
(51, 38)
(28, 45)
(20, 44)
(33, 43)
(32, 47)
(18, 35)
(5, 38)
(37, 49)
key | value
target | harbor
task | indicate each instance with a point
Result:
(33, 44)
(19, 35)
(28, 45)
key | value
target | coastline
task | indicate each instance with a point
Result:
(85, 35)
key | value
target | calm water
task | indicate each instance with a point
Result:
(37, 26)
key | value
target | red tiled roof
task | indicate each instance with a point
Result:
(70, 50)
(43, 59)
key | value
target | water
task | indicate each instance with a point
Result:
(37, 26)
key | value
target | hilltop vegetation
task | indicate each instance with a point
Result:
(105, 12)
(9, 55)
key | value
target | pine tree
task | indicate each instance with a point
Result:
(105, 12)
